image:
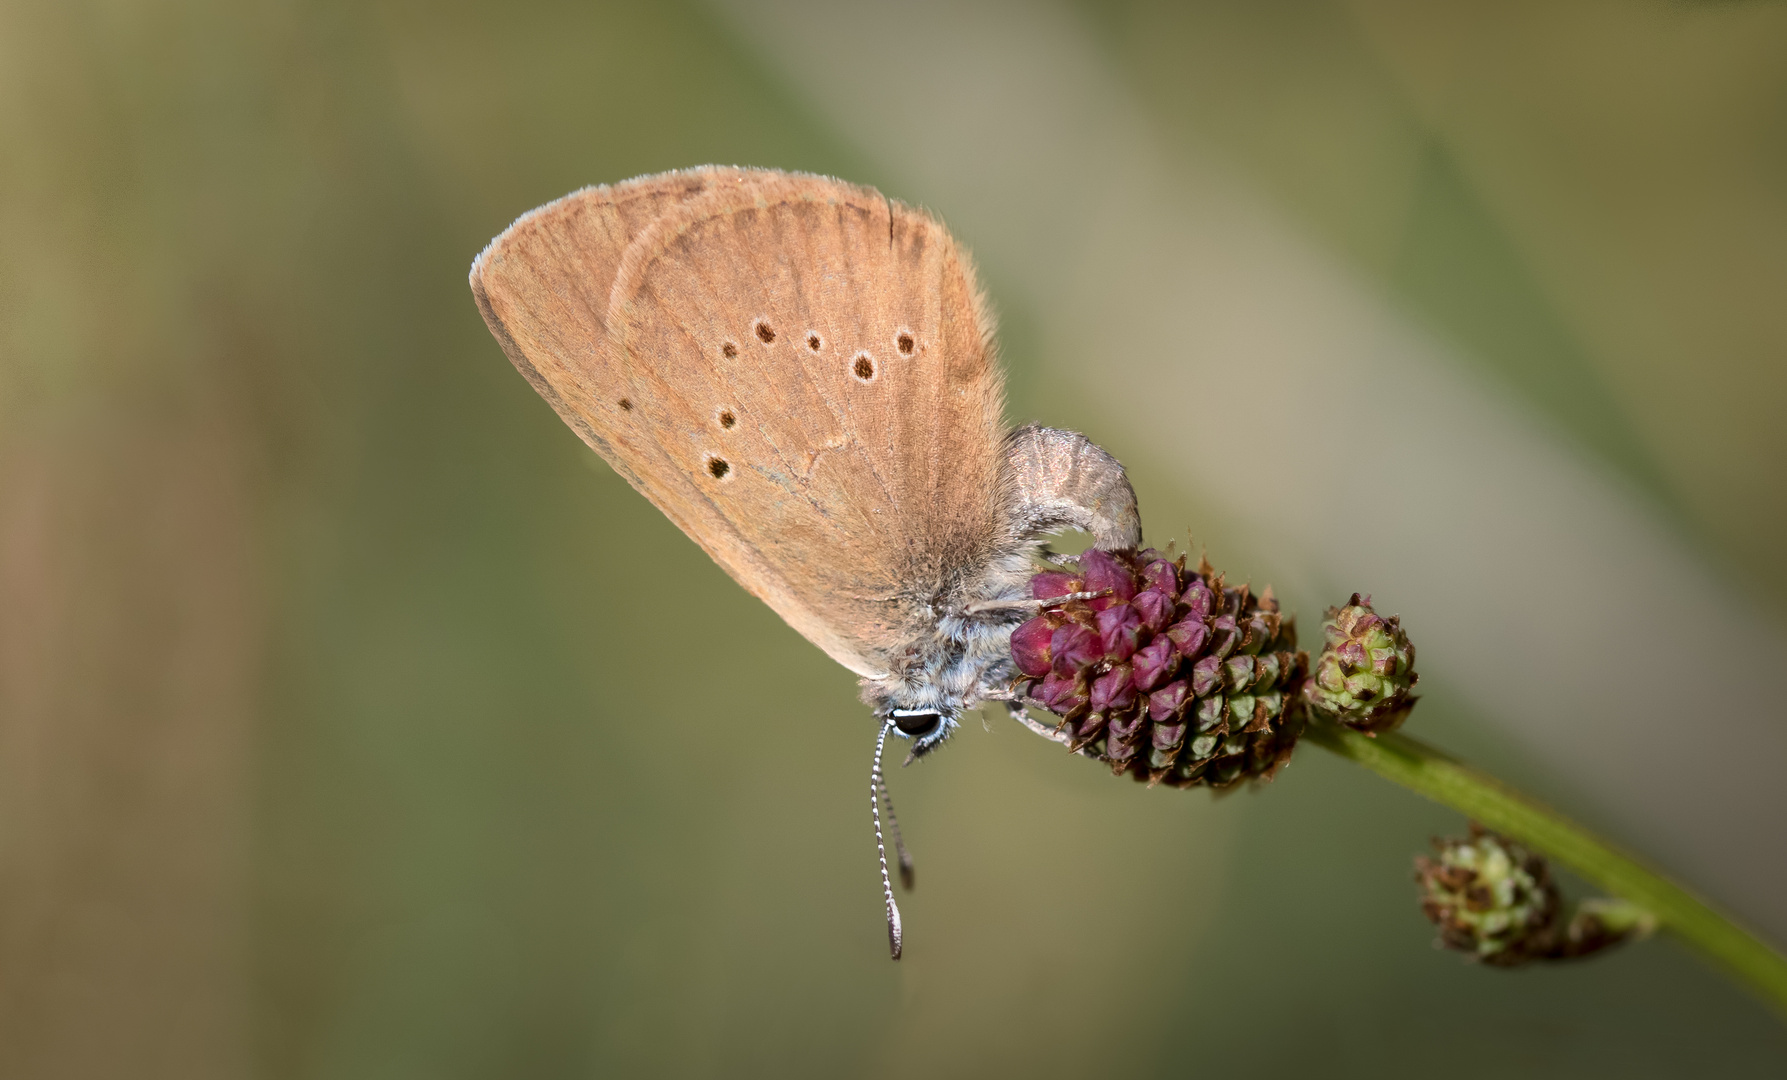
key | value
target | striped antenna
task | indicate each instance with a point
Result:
(876, 787)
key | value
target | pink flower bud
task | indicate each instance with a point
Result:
(1115, 689)
(1165, 703)
(1155, 609)
(1052, 583)
(1153, 662)
(1162, 576)
(1062, 693)
(1206, 676)
(1237, 672)
(1188, 636)
(1102, 571)
(1125, 729)
(1168, 737)
(1119, 630)
(1030, 646)
(1073, 648)
(1209, 712)
(1199, 600)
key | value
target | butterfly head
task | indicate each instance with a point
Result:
(927, 728)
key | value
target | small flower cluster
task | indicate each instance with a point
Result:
(1494, 899)
(1165, 673)
(1490, 897)
(1366, 669)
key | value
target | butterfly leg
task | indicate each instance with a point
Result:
(1022, 716)
(1030, 605)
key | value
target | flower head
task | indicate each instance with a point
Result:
(1366, 669)
(1168, 674)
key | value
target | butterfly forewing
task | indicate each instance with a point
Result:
(808, 385)
(544, 286)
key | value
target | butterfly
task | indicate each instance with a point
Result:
(801, 374)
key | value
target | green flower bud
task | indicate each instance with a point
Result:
(1366, 670)
(1494, 899)
(1490, 898)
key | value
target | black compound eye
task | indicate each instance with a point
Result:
(917, 724)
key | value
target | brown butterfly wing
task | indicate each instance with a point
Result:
(842, 334)
(849, 502)
(543, 289)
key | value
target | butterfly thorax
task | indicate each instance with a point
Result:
(960, 653)
(963, 655)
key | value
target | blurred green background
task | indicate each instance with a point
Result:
(356, 721)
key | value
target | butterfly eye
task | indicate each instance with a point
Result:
(916, 724)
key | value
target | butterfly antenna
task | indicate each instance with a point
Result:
(876, 787)
(893, 828)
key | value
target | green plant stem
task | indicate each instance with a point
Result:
(1426, 771)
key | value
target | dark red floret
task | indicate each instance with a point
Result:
(1030, 646)
(1168, 736)
(1119, 631)
(1206, 676)
(1168, 701)
(1063, 693)
(1162, 576)
(1223, 635)
(1188, 636)
(1154, 608)
(1153, 662)
(1115, 689)
(1102, 571)
(1198, 600)
(1073, 648)
(1052, 583)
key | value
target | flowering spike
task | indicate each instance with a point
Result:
(1169, 675)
